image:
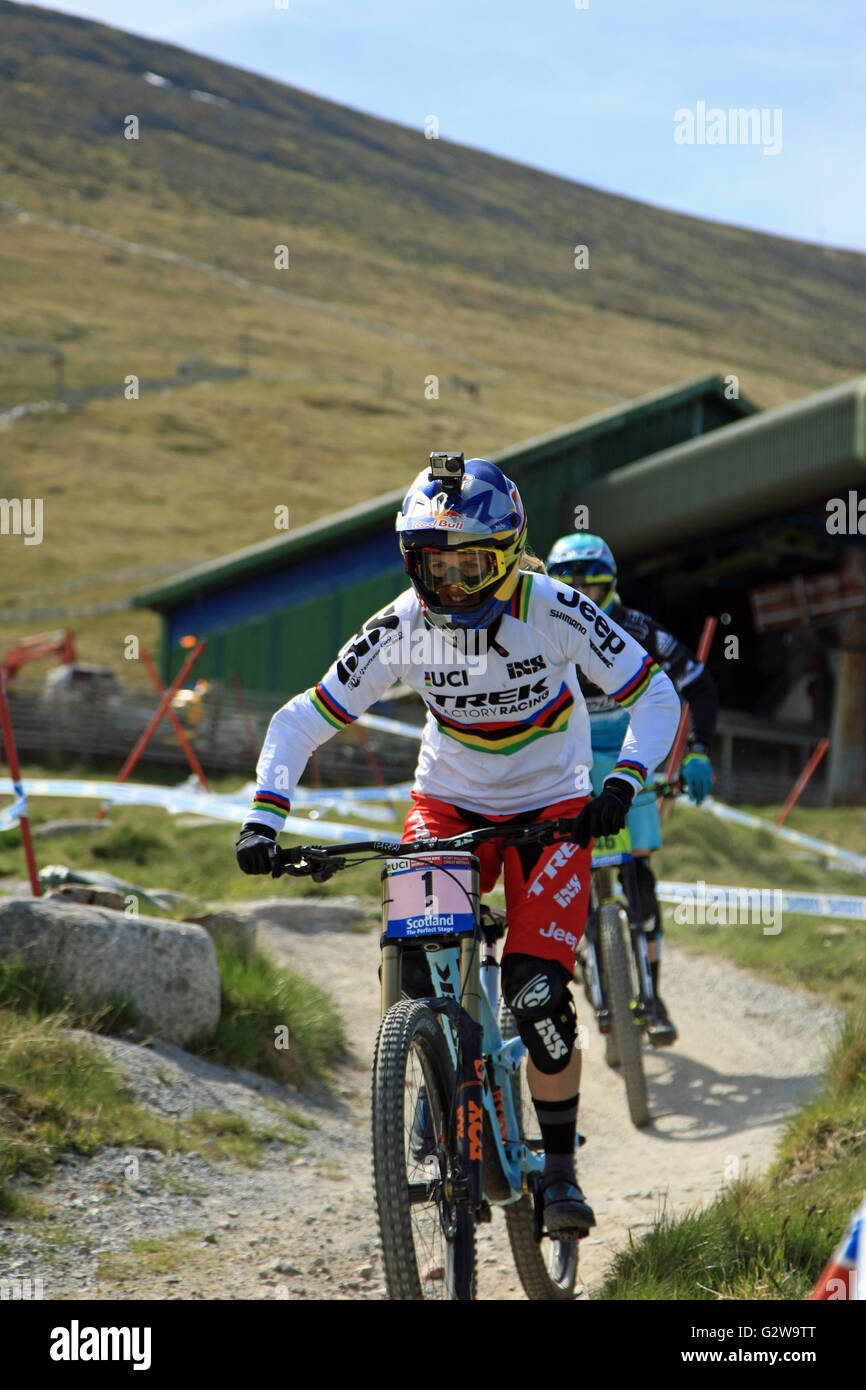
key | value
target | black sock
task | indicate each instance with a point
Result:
(654, 972)
(558, 1122)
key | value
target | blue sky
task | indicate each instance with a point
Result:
(587, 93)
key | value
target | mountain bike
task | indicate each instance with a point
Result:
(448, 1102)
(614, 964)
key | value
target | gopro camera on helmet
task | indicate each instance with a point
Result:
(447, 469)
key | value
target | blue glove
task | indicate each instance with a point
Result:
(697, 773)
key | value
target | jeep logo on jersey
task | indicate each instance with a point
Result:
(527, 667)
(364, 641)
(609, 639)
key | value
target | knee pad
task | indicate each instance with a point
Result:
(650, 912)
(536, 992)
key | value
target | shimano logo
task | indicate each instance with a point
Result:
(533, 994)
(566, 618)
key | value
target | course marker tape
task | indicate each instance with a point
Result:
(857, 862)
(176, 800)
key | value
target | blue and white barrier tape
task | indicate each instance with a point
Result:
(9, 814)
(857, 862)
(177, 800)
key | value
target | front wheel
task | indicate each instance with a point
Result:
(428, 1243)
(547, 1268)
(624, 1047)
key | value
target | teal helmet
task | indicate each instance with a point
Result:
(582, 559)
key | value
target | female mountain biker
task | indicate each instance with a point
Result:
(492, 651)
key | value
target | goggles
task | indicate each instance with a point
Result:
(579, 576)
(470, 569)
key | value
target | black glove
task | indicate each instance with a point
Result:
(252, 848)
(605, 814)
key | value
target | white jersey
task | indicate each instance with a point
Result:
(507, 728)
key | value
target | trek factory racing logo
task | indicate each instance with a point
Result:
(363, 644)
(515, 700)
(602, 628)
(558, 860)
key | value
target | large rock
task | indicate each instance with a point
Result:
(166, 970)
(304, 914)
(229, 928)
(87, 893)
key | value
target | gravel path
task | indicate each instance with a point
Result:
(301, 1225)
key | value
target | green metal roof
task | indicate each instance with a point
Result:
(356, 523)
(778, 460)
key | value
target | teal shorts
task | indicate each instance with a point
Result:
(643, 818)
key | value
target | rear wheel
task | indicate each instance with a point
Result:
(623, 1043)
(428, 1243)
(547, 1268)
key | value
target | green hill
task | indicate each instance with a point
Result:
(408, 258)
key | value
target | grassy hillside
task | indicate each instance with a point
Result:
(408, 257)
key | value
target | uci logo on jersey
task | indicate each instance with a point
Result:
(592, 615)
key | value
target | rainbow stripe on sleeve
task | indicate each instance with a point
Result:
(273, 802)
(625, 767)
(329, 708)
(638, 684)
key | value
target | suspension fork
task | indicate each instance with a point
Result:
(599, 891)
(637, 933)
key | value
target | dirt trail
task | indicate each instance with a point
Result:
(301, 1226)
(747, 1055)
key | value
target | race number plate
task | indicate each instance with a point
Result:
(429, 895)
(611, 849)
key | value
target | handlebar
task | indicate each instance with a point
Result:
(321, 862)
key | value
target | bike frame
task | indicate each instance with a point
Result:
(456, 971)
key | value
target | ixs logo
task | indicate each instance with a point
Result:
(608, 638)
(557, 861)
(553, 1041)
(568, 892)
(527, 667)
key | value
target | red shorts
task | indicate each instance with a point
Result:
(546, 886)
